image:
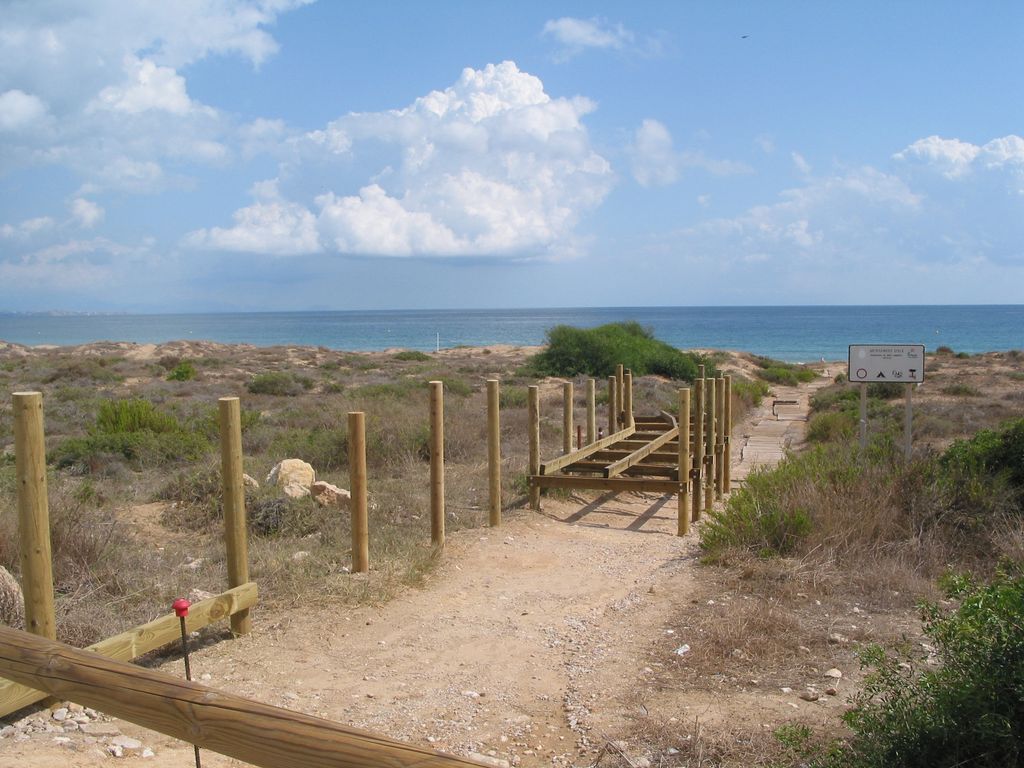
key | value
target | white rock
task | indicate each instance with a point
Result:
(296, 491)
(299, 556)
(682, 650)
(250, 482)
(12, 602)
(327, 495)
(835, 673)
(809, 695)
(496, 762)
(292, 472)
(60, 714)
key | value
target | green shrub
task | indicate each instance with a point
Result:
(787, 374)
(135, 415)
(183, 371)
(831, 427)
(961, 390)
(967, 710)
(759, 517)
(276, 383)
(133, 430)
(994, 452)
(597, 351)
(513, 397)
(411, 355)
(749, 392)
(886, 390)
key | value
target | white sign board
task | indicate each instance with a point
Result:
(901, 363)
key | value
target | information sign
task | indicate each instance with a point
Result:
(900, 363)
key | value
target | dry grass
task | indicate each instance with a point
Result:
(113, 575)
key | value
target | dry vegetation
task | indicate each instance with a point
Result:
(134, 528)
(136, 514)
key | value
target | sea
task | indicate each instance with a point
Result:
(793, 334)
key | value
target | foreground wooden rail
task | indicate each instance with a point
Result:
(231, 725)
(148, 637)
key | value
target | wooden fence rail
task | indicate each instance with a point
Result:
(148, 637)
(246, 730)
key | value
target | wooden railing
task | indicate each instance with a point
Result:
(246, 730)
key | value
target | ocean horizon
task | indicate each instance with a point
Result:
(791, 333)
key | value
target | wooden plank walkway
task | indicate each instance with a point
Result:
(764, 440)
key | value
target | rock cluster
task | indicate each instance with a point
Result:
(78, 728)
(297, 479)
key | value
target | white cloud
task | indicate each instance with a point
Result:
(27, 228)
(577, 34)
(946, 209)
(655, 161)
(951, 157)
(269, 226)
(802, 166)
(101, 83)
(73, 265)
(20, 111)
(86, 213)
(490, 167)
(147, 87)
(765, 143)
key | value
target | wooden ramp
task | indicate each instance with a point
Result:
(643, 457)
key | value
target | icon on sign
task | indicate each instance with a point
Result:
(913, 372)
(880, 375)
(897, 374)
(861, 373)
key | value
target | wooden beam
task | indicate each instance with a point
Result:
(236, 532)
(563, 461)
(639, 454)
(148, 637)
(638, 484)
(246, 730)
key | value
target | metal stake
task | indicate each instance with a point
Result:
(181, 606)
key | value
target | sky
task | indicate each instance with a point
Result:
(259, 155)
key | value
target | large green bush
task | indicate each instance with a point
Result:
(596, 352)
(965, 708)
(133, 430)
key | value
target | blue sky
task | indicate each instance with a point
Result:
(282, 154)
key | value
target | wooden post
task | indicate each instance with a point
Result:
(493, 454)
(437, 463)
(863, 416)
(253, 733)
(627, 406)
(33, 514)
(620, 395)
(613, 405)
(591, 411)
(567, 417)
(357, 481)
(533, 416)
(908, 418)
(698, 447)
(683, 513)
(720, 438)
(727, 461)
(235, 534)
(709, 450)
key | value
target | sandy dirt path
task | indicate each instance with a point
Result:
(523, 646)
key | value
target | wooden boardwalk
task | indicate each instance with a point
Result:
(773, 430)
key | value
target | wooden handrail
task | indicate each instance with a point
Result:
(640, 454)
(148, 637)
(563, 461)
(246, 730)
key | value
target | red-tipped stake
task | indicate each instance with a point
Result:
(181, 606)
